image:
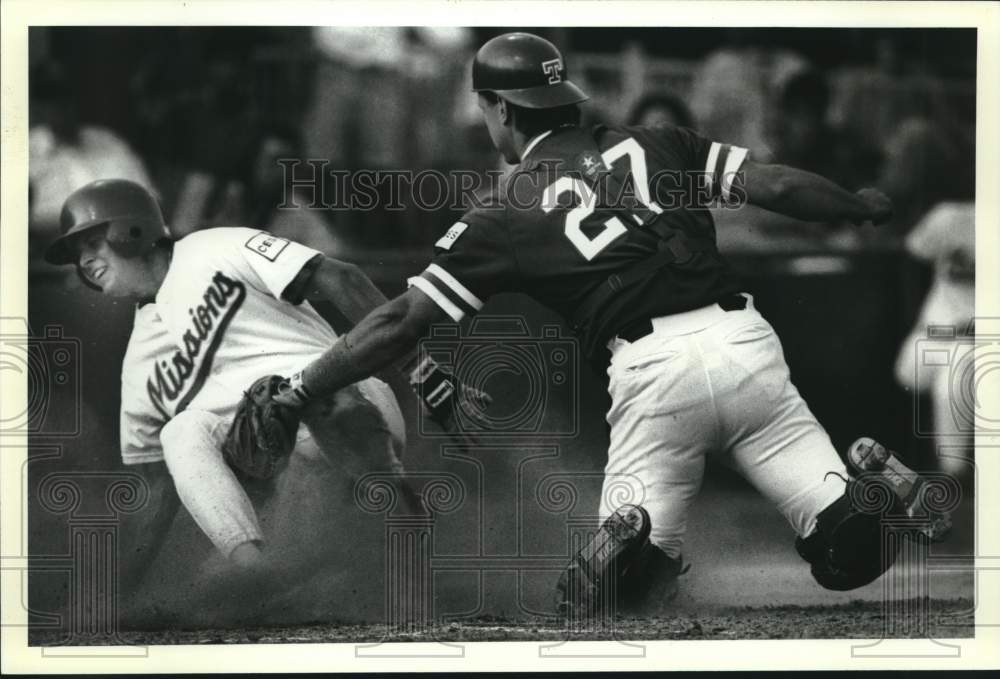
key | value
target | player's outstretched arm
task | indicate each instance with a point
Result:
(386, 336)
(354, 295)
(807, 196)
(383, 337)
(382, 342)
(143, 533)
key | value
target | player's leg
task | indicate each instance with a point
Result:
(793, 463)
(662, 425)
(593, 581)
(360, 430)
(855, 539)
(774, 441)
(208, 488)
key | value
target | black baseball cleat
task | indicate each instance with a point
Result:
(590, 582)
(650, 583)
(867, 456)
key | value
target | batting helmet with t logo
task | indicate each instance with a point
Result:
(526, 70)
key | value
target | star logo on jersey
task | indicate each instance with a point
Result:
(590, 164)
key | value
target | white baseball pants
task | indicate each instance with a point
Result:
(712, 382)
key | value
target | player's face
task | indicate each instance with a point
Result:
(500, 134)
(115, 275)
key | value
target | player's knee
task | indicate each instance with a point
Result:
(849, 548)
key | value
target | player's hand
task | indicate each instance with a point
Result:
(879, 206)
(292, 393)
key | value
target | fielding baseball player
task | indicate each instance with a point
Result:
(608, 226)
(216, 311)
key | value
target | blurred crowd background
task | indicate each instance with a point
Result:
(203, 113)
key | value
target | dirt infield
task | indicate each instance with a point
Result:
(950, 619)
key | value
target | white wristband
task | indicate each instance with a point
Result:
(296, 390)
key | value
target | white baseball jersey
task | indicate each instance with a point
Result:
(219, 322)
(221, 302)
(140, 420)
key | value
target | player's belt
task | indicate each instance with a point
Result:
(638, 329)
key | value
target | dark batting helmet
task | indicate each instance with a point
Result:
(131, 212)
(526, 70)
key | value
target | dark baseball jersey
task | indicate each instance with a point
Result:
(606, 226)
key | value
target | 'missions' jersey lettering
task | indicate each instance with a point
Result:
(170, 378)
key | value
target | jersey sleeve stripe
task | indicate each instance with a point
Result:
(448, 293)
(734, 159)
(720, 162)
(428, 289)
(713, 157)
(453, 283)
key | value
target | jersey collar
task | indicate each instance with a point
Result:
(534, 141)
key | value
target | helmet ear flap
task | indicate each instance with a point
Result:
(129, 237)
(86, 281)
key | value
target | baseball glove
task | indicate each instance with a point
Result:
(262, 432)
